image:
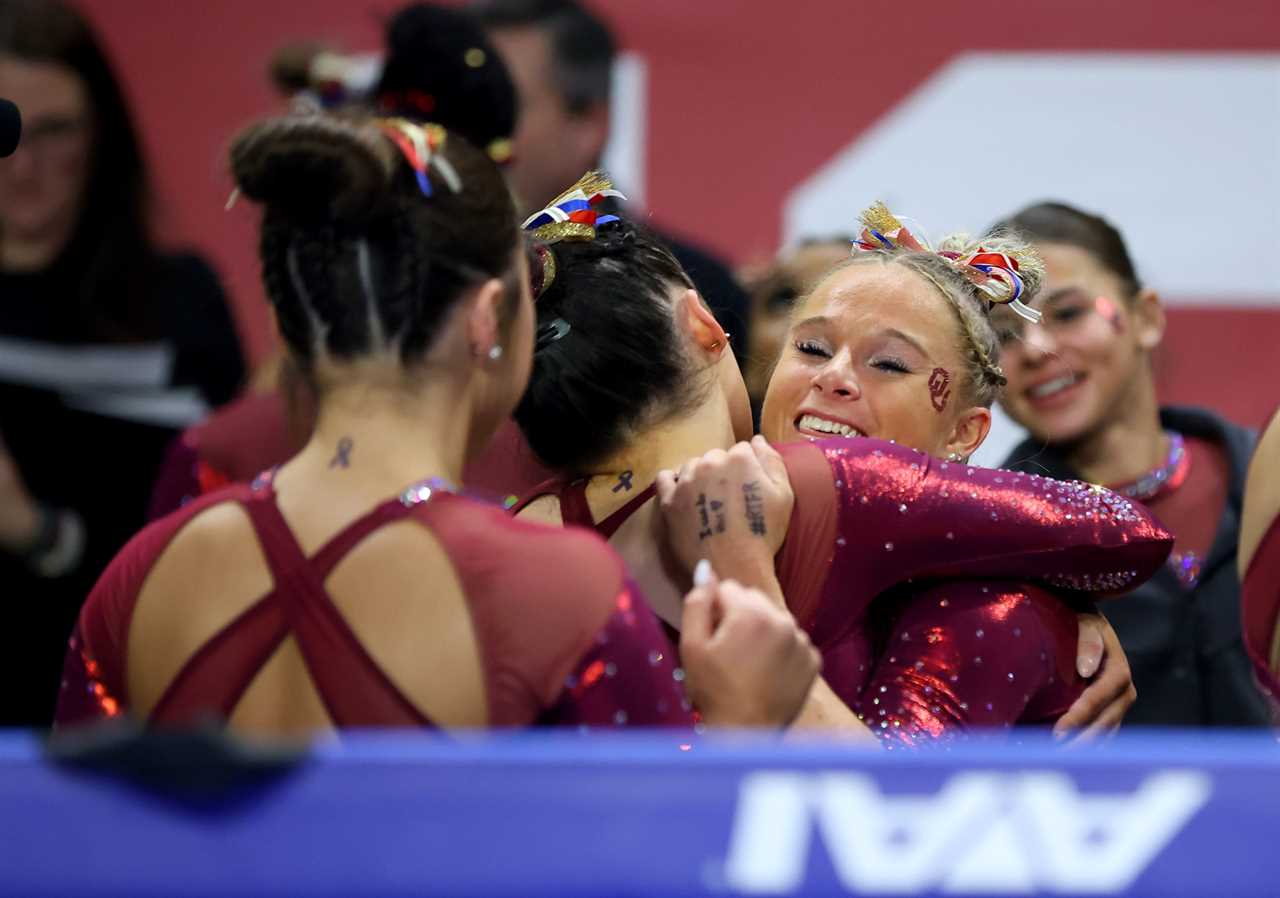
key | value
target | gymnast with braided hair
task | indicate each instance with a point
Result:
(355, 585)
(943, 597)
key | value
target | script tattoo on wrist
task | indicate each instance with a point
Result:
(755, 508)
(342, 458)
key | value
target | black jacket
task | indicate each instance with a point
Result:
(1185, 646)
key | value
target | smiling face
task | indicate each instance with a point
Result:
(875, 351)
(42, 184)
(1076, 371)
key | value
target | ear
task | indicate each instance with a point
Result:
(970, 429)
(1148, 319)
(696, 319)
(484, 316)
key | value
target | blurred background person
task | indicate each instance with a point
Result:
(108, 345)
(1081, 382)
(562, 56)
(774, 290)
(438, 66)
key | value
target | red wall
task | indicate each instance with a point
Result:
(746, 97)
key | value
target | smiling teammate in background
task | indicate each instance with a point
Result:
(1082, 383)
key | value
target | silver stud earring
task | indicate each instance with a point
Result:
(495, 353)
(954, 456)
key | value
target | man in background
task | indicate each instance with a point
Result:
(561, 58)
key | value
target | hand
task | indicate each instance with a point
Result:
(732, 508)
(1097, 713)
(746, 662)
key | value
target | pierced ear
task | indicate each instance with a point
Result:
(1148, 319)
(971, 428)
(484, 316)
(702, 326)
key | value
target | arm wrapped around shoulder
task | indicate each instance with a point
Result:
(913, 516)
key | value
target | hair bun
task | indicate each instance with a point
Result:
(314, 166)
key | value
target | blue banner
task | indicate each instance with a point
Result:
(1162, 814)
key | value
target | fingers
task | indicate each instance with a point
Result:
(1090, 646)
(1102, 705)
(697, 619)
(666, 483)
(1107, 723)
(770, 459)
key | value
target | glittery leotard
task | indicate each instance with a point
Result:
(936, 592)
(564, 638)
(1260, 597)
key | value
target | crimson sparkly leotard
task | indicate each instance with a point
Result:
(967, 568)
(563, 637)
(1260, 597)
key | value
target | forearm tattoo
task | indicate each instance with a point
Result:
(342, 458)
(755, 508)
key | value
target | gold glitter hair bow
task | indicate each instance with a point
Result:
(573, 214)
(994, 274)
(570, 216)
(421, 145)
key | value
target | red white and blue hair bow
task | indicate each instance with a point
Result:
(421, 146)
(994, 274)
(573, 214)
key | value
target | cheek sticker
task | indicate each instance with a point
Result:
(1107, 309)
(939, 388)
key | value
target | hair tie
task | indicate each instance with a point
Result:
(551, 332)
(422, 147)
(545, 276)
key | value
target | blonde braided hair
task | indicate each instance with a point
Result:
(958, 283)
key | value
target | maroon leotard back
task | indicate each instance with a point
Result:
(562, 635)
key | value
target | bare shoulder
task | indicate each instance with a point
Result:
(543, 510)
(1261, 495)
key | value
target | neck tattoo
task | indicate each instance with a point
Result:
(342, 458)
(624, 482)
(939, 389)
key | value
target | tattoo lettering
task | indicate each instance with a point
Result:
(755, 507)
(939, 388)
(717, 509)
(343, 456)
(624, 482)
(704, 520)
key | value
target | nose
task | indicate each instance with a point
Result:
(1037, 344)
(836, 378)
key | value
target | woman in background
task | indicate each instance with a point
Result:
(108, 346)
(1081, 382)
(439, 66)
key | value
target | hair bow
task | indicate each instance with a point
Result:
(570, 216)
(996, 277)
(994, 274)
(421, 146)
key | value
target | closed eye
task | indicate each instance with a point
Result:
(813, 347)
(896, 365)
